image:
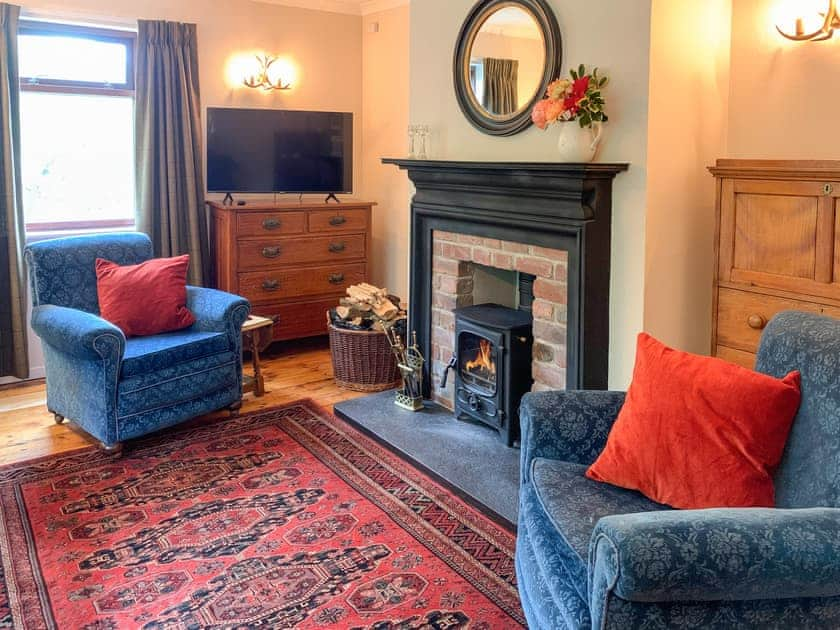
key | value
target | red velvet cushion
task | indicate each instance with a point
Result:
(144, 299)
(698, 432)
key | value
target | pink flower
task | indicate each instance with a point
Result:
(554, 110)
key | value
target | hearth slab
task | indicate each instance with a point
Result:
(470, 457)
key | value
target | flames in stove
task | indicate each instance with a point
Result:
(483, 364)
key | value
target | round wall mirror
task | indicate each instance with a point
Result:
(507, 53)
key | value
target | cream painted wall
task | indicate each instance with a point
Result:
(687, 124)
(784, 95)
(611, 35)
(385, 69)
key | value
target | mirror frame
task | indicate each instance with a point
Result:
(480, 118)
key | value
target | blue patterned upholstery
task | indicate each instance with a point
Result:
(593, 556)
(118, 389)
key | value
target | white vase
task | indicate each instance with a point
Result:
(578, 144)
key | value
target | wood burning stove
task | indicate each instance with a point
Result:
(492, 364)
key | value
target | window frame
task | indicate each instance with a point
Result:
(63, 86)
(66, 86)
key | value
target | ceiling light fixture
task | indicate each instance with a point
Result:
(830, 21)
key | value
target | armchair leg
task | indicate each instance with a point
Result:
(234, 408)
(115, 450)
(59, 419)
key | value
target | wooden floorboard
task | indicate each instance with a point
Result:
(292, 370)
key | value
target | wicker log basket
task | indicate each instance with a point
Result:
(362, 360)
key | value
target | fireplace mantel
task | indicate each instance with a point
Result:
(554, 205)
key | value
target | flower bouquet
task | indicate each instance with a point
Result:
(575, 99)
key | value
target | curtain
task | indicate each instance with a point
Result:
(500, 80)
(170, 183)
(14, 358)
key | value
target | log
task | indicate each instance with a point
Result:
(385, 309)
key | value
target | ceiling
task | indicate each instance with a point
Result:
(352, 7)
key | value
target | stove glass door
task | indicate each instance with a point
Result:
(477, 363)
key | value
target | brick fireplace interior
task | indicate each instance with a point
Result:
(471, 270)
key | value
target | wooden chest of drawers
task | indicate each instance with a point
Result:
(777, 248)
(291, 260)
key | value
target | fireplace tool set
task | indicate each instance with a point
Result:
(410, 363)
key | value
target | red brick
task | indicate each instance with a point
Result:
(440, 335)
(469, 239)
(459, 252)
(554, 377)
(445, 319)
(450, 237)
(482, 256)
(456, 286)
(542, 310)
(549, 333)
(517, 248)
(492, 243)
(561, 271)
(560, 313)
(560, 358)
(547, 252)
(543, 353)
(549, 290)
(503, 261)
(541, 268)
(445, 265)
(443, 301)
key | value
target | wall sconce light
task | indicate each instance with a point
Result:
(830, 21)
(263, 77)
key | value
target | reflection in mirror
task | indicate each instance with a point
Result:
(507, 61)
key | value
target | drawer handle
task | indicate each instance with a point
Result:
(270, 252)
(336, 278)
(270, 285)
(756, 322)
(337, 248)
(271, 224)
(339, 220)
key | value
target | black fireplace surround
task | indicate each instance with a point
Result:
(556, 205)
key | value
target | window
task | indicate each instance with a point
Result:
(77, 127)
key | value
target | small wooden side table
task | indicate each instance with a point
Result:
(257, 334)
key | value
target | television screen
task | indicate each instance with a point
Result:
(279, 151)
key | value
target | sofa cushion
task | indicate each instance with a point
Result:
(149, 354)
(574, 504)
(697, 432)
(145, 299)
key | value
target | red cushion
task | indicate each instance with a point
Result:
(698, 432)
(144, 299)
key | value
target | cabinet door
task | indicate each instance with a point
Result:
(780, 234)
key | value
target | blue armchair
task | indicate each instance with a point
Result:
(115, 388)
(590, 555)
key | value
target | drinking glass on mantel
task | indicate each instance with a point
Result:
(418, 141)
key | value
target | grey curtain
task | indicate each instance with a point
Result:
(14, 358)
(170, 183)
(500, 81)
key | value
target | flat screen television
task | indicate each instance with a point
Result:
(279, 151)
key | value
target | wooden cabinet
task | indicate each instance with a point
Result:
(291, 260)
(777, 246)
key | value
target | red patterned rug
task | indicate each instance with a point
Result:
(286, 518)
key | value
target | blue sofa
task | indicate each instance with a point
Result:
(115, 388)
(590, 555)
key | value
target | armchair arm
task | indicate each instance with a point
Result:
(715, 555)
(568, 425)
(78, 333)
(217, 311)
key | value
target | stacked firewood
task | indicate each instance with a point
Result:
(367, 307)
